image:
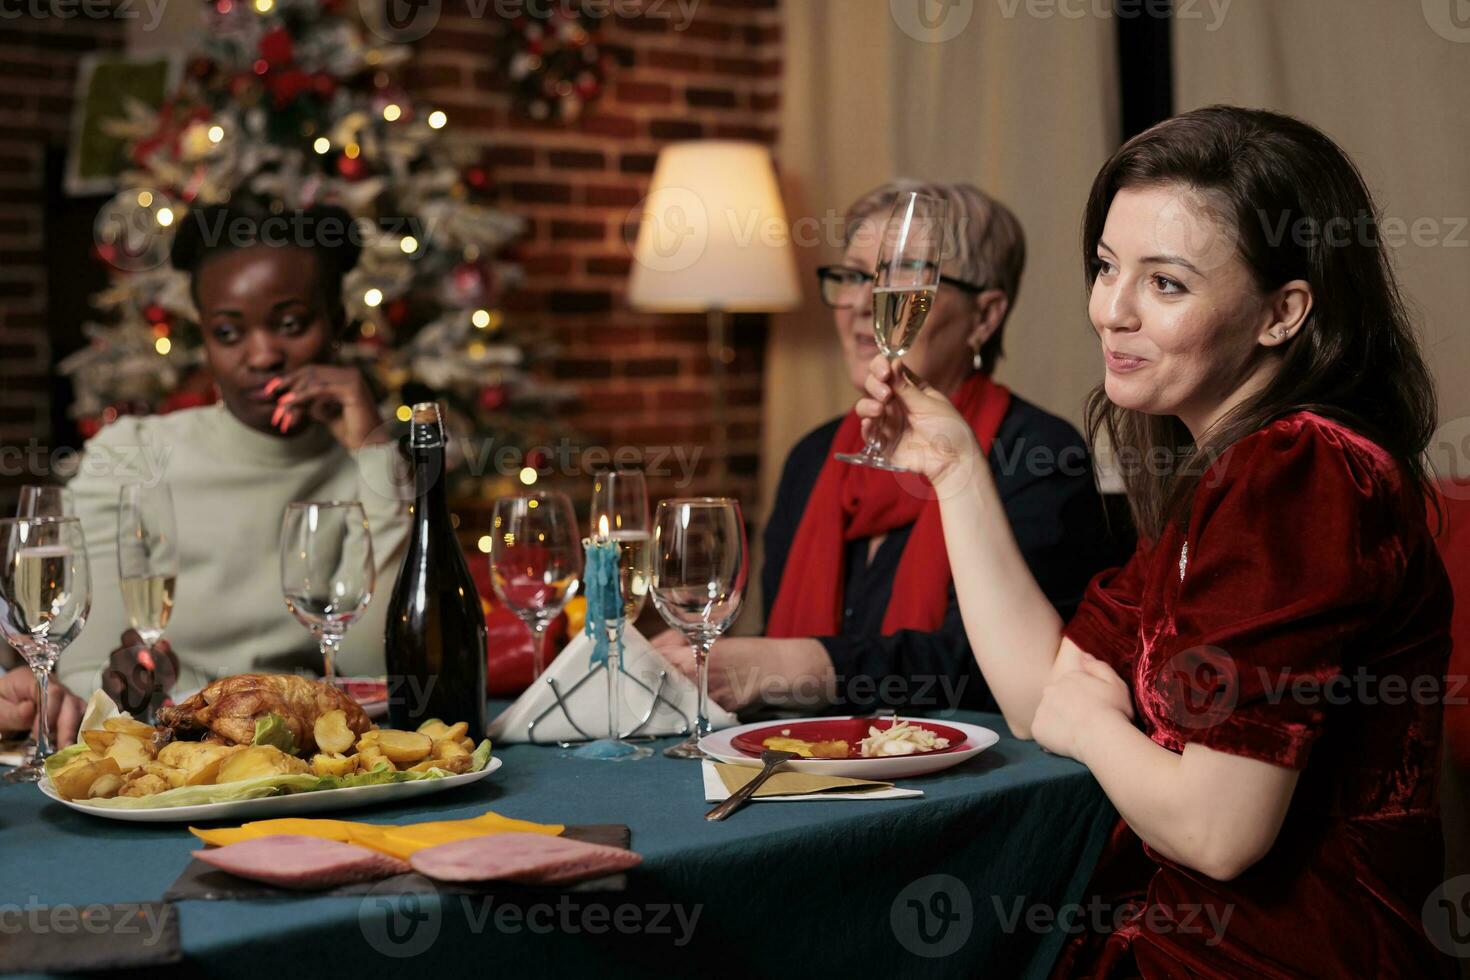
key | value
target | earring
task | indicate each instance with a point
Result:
(977, 360)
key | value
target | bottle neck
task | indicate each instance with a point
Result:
(430, 500)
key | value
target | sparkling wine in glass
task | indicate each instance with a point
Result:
(147, 557)
(620, 514)
(697, 580)
(39, 501)
(535, 560)
(45, 595)
(327, 571)
(904, 286)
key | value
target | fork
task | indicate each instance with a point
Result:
(772, 759)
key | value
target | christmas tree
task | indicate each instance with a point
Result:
(295, 101)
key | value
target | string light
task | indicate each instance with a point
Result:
(484, 544)
(165, 216)
(322, 145)
(528, 476)
(352, 150)
(476, 350)
(480, 318)
(391, 112)
(373, 296)
(145, 199)
(163, 345)
(264, 6)
(216, 133)
(437, 119)
(409, 244)
(403, 414)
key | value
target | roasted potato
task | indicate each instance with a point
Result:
(200, 761)
(130, 751)
(259, 760)
(434, 728)
(332, 734)
(99, 740)
(174, 777)
(105, 787)
(371, 757)
(145, 784)
(402, 747)
(76, 780)
(129, 726)
(333, 765)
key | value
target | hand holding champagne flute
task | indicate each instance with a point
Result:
(904, 286)
(45, 595)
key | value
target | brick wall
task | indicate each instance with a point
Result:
(38, 65)
(641, 379)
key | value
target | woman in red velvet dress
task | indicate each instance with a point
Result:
(1257, 690)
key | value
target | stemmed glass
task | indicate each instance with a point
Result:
(535, 560)
(45, 595)
(698, 583)
(620, 513)
(147, 565)
(327, 570)
(904, 286)
(39, 501)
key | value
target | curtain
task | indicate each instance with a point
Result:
(1387, 81)
(1023, 106)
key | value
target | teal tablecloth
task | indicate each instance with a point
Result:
(938, 886)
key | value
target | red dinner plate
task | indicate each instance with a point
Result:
(851, 730)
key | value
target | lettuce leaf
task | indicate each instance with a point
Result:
(57, 761)
(276, 785)
(272, 730)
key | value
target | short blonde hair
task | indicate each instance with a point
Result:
(985, 247)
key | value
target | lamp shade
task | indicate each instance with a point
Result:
(714, 234)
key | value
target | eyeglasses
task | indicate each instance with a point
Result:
(841, 285)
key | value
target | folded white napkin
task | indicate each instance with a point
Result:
(588, 704)
(715, 792)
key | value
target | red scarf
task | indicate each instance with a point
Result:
(850, 503)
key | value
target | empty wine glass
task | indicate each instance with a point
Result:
(327, 570)
(45, 595)
(40, 501)
(904, 287)
(535, 560)
(697, 581)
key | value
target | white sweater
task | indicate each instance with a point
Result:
(230, 487)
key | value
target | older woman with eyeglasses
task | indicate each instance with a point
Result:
(860, 606)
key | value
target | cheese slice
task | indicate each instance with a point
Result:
(396, 840)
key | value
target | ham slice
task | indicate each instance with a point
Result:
(534, 859)
(302, 863)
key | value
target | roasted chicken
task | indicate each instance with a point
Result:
(229, 708)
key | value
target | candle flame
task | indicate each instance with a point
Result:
(602, 527)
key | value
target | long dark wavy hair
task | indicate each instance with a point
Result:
(1300, 210)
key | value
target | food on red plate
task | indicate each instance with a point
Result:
(533, 859)
(301, 863)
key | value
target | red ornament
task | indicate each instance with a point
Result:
(276, 47)
(397, 311)
(154, 313)
(351, 168)
(324, 84)
(287, 85)
(241, 84)
(477, 177)
(492, 397)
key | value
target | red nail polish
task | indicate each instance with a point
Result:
(272, 385)
(287, 397)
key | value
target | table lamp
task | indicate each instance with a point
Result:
(714, 240)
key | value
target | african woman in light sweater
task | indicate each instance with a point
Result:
(289, 425)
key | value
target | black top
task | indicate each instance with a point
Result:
(1043, 473)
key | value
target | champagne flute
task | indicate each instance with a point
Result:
(904, 286)
(45, 595)
(535, 560)
(620, 514)
(147, 566)
(39, 501)
(697, 581)
(327, 570)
